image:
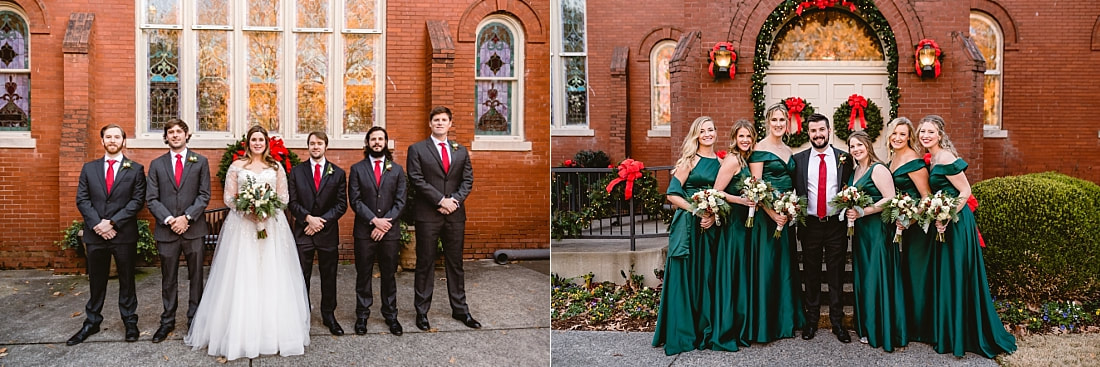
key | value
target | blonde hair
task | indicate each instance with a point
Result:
(866, 140)
(741, 154)
(691, 141)
(938, 122)
(781, 106)
(913, 142)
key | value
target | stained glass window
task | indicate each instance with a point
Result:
(359, 85)
(15, 112)
(495, 79)
(990, 41)
(162, 12)
(163, 73)
(213, 82)
(312, 82)
(573, 58)
(826, 35)
(213, 12)
(661, 99)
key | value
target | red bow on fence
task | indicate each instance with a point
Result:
(629, 170)
(795, 106)
(858, 103)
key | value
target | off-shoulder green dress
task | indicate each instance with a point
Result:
(917, 259)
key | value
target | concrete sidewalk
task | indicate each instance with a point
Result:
(41, 311)
(607, 348)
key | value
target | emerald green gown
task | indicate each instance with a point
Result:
(773, 299)
(731, 273)
(963, 316)
(683, 320)
(917, 259)
(880, 301)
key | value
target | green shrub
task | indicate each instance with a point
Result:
(592, 159)
(1043, 236)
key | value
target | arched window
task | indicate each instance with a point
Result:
(989, 38)
(826, 35)
(498, 79)
(15, 71)
(660, 98)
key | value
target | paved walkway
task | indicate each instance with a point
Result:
(41, 311)
(606, 348)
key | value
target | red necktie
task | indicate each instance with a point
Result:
(179, 169)
(822, 176)
(446, 158)
(378, 173)
(110, 174)
(317, 177)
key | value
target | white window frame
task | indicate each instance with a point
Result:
(516, 141)
(654, 129)
(557, 85)
(20, 139)
(995, 131)
(238, 113)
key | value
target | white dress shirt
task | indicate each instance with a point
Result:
(831, 188)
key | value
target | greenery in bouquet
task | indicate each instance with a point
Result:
(900, 209)
(938, 208)
(711, 202)
(850, 197)
(757, 191)
(792, 206)
(259, 200)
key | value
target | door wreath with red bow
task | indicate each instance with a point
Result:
(858, 113)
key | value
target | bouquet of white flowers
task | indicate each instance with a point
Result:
(938, 208)
(258, 200)
(757, 191)
(903, 209)
(850, 198)
(791, 205)
(710, 201)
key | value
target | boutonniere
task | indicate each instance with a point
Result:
(126, 164)
(843, 159)
(389, 165)
(328, 169)
(192, 159)
(454, 145)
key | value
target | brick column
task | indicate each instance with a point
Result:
(443, 63)
(683, 71)
(619, 144)
(966, 128)
(76, 129)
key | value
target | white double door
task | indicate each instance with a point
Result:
(827, 86)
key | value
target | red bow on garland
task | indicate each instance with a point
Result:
(858, 103)
(795, 106)
(938, 52)
(822, 4)
(629, 170)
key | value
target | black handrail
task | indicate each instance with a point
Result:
(571, 187)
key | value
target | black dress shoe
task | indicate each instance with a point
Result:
(85, 331)
(395, 327)
(162, 332)
(808, 332)
(132, 332)
(468, 320)
(333, 326)
(422, 322)
(842, 334)
(361, 326)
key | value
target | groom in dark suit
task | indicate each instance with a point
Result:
(820, 172)
(376, 189)
(318, 198)
(109, 195)
(440, 171)
(178, 193)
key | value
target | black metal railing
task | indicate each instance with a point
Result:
(620, 218)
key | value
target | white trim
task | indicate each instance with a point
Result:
(659, 132)
(516, 141)
(558, 127)
(997, 72)
(654, 64)
(827, 67)
(990, 131)
(571, 131)
(17, 139)
(496, 145)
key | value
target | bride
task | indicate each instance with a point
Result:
(255, 300)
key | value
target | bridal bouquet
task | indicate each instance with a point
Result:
(902, 208)
(259, 200)
(938, 208)
(757, 191)
(850, 198)
(710, 201)
(791, 205)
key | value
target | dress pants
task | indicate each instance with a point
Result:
(385, 251)
(99, 268)
(328, 257)
(169, 267)
(828, 238)
(426, 252)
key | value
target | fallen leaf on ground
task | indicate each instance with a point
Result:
(617, 355)
(166, 357)
(77, 293)
(2, 355)
(433, 330)
(4, 350)
(75, 314)
(56, 294)
(221, 360)
(144, 333)
(452, 360)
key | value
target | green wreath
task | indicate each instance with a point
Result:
(792, 140)
(872, 114)
(275, 144)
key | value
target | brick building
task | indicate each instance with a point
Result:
(644, 77)
(293, 66)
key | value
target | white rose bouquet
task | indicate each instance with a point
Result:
(901, 209)
(259, 200)
(791, 205)
(757, 191)
(850, 198)
(938, 208)
(710, 201)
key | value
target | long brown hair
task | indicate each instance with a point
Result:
(742, 154)
(862, 136)
(267, 146)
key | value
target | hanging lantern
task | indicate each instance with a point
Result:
(722, 58)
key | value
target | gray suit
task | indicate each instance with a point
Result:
(369, 200)
(189, 199)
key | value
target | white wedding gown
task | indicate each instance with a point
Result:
(255, 300)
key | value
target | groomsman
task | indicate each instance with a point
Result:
(440, 171)
(819, 174)
(109, 195)
(376, 190)
(318, 198)
(178, 193)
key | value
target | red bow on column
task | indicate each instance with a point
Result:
(795, 106)
(858, 103)
(629, 170)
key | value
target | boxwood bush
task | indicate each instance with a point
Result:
(1043, 236)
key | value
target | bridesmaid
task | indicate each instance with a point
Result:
(880, 304)
(681, 320)
(731, 264)
(774, 304)
(963, 316)
(911, 177)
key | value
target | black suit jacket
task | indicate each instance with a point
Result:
(121, 206)
(190, 198)
(369, 200)
(802, 163)
(330, 203)
(432, 185)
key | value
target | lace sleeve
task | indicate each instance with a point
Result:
(280, 184)
(229, 193)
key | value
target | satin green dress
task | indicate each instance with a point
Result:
(963, 316)
(917, 259)
(773, 298)
(682, 319)
(880, 300)
(730, 273)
